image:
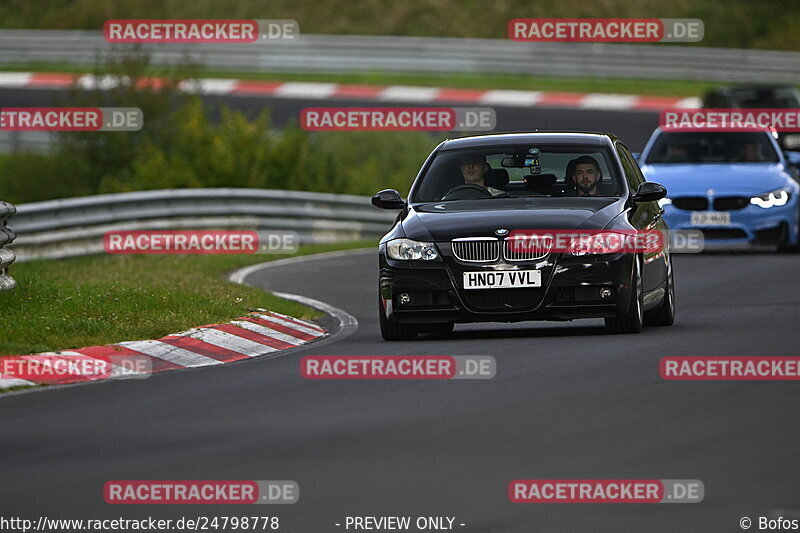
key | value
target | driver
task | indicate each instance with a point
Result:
(748, 152)
(676, 153)
(473, 168)
(585, 175)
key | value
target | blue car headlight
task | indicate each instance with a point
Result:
(408, 250)
(774, 198)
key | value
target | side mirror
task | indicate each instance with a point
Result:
(388, 199)
(792, 157)
(793, 163)
(649, 191)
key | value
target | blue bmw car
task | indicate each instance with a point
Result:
(735, 187)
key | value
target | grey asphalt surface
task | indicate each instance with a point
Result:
(568, 401)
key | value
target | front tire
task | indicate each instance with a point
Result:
(665, 314)
(633, 320)
(394, 331)
(788, 247)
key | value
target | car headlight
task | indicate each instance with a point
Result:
(602, 243)
(614, 243)
(408, 250)
(772, 199)
(664, 201)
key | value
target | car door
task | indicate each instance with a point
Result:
(645, 216)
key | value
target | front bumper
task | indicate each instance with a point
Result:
(570, 289)
(750, 225)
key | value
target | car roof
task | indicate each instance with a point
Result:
(661, 130)
(550, 137)
(753, 87)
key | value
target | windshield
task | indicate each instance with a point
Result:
(781, 97)
(516, 171)
(712, 147)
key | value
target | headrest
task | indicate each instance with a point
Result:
(570, 169)
(496, 177)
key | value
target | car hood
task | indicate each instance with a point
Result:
(444, 221)
(725, 178)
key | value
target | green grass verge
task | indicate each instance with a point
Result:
(95, 300)
(461, 81)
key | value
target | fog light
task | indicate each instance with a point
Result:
(404, 299)
(606, 293)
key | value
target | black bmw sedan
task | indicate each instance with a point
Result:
(525, 226)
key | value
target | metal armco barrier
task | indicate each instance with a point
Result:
(6, 237)
(75, 226)
(364, 53)
(12, 142)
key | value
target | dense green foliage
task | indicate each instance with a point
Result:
(768, 24)
(182, 144)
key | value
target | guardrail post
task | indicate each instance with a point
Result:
(6, 237)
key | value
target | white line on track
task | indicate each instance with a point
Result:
(348, 324)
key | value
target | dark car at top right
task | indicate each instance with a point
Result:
(758, 97)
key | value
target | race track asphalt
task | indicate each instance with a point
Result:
(568, 401)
